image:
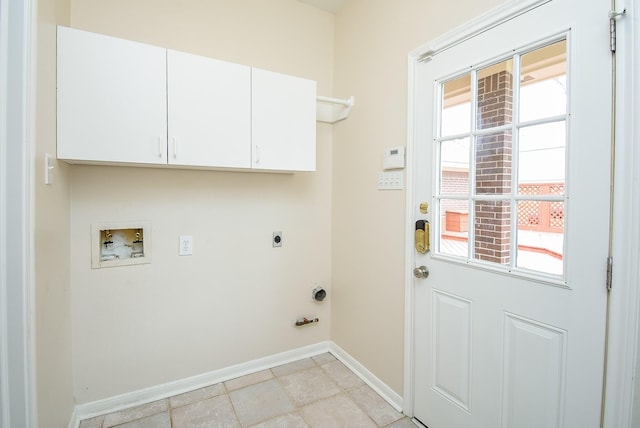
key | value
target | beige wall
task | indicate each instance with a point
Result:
(54, 379)
(372, 41)
(236, 298)
(278, 35)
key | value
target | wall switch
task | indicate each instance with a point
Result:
(390, 180)
(186, 245)
(48, 168)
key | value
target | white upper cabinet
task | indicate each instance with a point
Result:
(123, 102)
(283, 122)
(209, 121)
(112, 104)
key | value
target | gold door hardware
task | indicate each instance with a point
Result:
(424, 207)
(422, 236)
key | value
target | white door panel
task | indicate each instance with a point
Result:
(502, 345)
(534, 358)
(451, 346)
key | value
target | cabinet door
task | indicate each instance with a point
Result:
(283, 122)
(209, 112)
(111, 99)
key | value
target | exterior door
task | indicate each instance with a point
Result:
(511, 152)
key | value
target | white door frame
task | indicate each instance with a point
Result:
(17, 390)
(624, 312)
(625, 298)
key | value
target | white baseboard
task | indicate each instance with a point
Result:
(158, 392)
(74, 422)
(369, 378)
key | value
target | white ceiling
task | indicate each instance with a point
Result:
(329, 5)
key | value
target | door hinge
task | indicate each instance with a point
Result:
(613, 17)
(609, 272)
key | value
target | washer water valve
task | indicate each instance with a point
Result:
(305, 321)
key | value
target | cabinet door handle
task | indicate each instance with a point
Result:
(160, 147)
(175, 148)
(258, 153)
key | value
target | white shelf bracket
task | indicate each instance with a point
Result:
(332, 110)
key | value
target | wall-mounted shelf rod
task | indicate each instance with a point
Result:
(332, 110)
(341, 101)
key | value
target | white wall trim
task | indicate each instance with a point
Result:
(369, 378)
(158, 392)
(17, 106)
(409, 239)
(74, 421)
(4, 332)
(478, 25)
(624, 304)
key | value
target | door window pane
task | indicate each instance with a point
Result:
(543, 91)
(454, 167)
(454, 220)
(541, 236)
(492, 231)
(541, 156)
(495, 95)
(493, 164)
(456, 107)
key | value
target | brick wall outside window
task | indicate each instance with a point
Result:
(493, 168)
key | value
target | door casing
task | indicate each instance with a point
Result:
(17, 305)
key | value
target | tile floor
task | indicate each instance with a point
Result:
(313, 392)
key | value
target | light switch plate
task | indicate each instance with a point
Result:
(48, 168)
(390, 180)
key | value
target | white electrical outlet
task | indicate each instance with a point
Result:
(277, 239)
(186, 245)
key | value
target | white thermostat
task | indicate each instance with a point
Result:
(393, 158)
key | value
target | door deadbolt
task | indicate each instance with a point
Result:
(421, 272)
(422, 236)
